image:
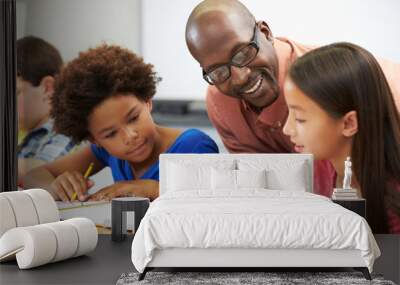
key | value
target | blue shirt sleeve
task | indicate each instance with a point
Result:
(206, 146)
(101, 154)
(194, 141)
(190, 141)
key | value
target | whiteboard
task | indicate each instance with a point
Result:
(372, 24)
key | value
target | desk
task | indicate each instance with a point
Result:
(111, 259)
(102, 266)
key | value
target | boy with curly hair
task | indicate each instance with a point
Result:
(105, 96)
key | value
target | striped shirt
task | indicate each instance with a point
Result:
(44, 144)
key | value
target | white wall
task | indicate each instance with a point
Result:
(75, 25)
(21, 18)
(163, 44)
(372, 24)
(155, 29)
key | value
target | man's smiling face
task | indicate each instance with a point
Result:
(217, 38)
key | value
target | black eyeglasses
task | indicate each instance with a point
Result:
(220, 73)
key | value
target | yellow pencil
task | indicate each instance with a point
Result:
(86, 175)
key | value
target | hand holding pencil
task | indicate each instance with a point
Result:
(85, 176)
(71, 184)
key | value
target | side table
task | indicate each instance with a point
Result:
(119, 209)
(358, 206)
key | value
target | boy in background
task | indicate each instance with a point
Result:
(38, 62)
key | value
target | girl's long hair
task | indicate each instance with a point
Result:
(342, 77)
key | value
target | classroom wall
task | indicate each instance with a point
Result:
(373, 24)
(21, 18)
(75, 25)
(155, 29)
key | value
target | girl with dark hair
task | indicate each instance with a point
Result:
(105, 96)
(340, 104)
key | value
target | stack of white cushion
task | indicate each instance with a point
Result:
(280, 174)
(187, 175)
(26, 208)
(237, 179)
(31, 232)
(232, 175)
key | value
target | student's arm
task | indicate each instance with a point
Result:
(141, 187)
(27, 164)
(64, 176)
(57, 145)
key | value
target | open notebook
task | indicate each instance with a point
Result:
(100, 211)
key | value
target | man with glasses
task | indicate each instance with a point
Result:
(246, 68)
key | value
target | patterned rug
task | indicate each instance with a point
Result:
(243, 278)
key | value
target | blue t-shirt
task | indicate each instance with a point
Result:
(189, 141)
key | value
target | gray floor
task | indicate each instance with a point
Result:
(106, 264)
(102, 266)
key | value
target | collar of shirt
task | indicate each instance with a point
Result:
(44, 129)
(48, 126)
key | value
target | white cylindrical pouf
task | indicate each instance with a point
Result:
(40, 244)
(7, 217)
(67, 239)
(45, 205)
(33, 246)
(87, 234)
(23, 208)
